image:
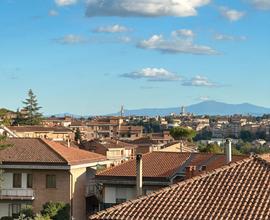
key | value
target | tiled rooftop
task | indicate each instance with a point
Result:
(35, 150)
(165, 164)
(239, 191)
(108, 143)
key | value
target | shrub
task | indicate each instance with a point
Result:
(56, 210)
(27, 212)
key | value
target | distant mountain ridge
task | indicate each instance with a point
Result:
(204, 108)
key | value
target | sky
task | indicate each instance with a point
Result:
(89, 57)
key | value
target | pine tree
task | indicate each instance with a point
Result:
(32, 108)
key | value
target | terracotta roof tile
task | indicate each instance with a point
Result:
(165, 164)
(239, 191)
(74, 155)
(36, 150)
(155, 164)
(29, 150)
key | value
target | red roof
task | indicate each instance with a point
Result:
(74, 155)
(165, 164)
(239, 191)
(36, 150)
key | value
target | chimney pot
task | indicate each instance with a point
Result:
(228, 151)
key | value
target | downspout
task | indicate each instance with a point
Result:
(71, 195)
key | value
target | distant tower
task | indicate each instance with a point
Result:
(122, 111)
(183, 110)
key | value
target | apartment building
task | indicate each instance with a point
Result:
(57, 121)
(36, 171)
(106, 127)
(112, 127)
(115, 151)
(58, 133)
(152, 142)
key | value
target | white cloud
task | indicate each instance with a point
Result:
(65, 2)
(231, 14)
(224, 37)
(175, 45)
(152, 74)
(183, 33)
(148, 8)
(261, 4)
(52, 13)
(199, 81)
(70, 39)
(112, 29)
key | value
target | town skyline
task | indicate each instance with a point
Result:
(92, 63)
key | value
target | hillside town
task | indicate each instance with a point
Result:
(83, 166)
(134, 110)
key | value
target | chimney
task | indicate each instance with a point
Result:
(190, 171)
(139, 174)
(181, 146)
(228, 151)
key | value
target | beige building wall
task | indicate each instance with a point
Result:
(52, 136)
(78, 176)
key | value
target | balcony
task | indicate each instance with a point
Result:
(12, 194)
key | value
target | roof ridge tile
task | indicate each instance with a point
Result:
(46, 142)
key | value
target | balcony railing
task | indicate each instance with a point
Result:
(17, 193)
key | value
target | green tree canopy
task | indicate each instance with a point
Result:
(182, 133)
(32, 108)
(78, 135)
(210, 148)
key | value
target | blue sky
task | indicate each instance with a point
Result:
(92, 56)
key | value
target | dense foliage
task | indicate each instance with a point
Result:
(56, 210)
(182, 133)
(237, 149)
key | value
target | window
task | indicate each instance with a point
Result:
(29, 180)
(17, 180)
(14, 210)
(50, 181)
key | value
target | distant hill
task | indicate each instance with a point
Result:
(204, 108)
(67, 114)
